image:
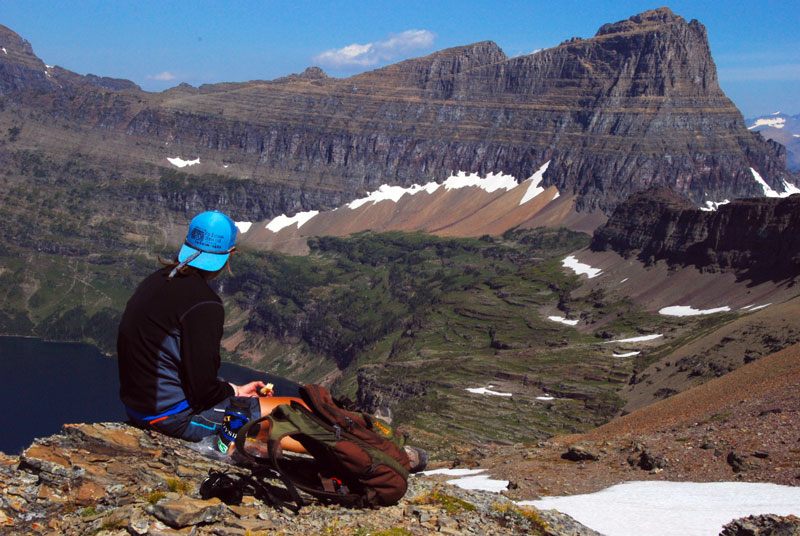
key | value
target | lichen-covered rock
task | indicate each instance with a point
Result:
(123, 480)
(763, 525)
(186, 511)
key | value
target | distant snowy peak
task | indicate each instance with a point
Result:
(282, 221)
(782, 128)
(778, 121)
(774, 122)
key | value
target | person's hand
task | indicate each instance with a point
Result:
(249, 389)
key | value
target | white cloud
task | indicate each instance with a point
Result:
(358, 56)
(164, 77)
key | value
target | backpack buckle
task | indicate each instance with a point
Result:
(338, 486)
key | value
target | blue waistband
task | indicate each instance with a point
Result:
(177, 408)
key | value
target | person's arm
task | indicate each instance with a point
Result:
(201, 333)
(248, 389)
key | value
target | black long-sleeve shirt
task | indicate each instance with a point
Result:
(168, 345)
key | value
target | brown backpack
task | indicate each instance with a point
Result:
(356, 459)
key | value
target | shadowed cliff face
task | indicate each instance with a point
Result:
(637, 105)
(756, 237)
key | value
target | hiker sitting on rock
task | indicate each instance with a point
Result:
(169, 339)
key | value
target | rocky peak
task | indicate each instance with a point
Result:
(436, 73)
(16, 48)
(311, 74)
(113, 84)
(647, 20)
(20, 69)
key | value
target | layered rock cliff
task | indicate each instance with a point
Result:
(756, 237)
(636, 105)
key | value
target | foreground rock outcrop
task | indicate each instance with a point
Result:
(114, 479)
(766, 525)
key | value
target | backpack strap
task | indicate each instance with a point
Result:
(276, 430)
(278, 427)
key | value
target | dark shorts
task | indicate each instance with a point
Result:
(195, 426)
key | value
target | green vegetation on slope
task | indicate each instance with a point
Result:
(412, 320)
(406, 321)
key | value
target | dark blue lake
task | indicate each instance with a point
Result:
(46, 384)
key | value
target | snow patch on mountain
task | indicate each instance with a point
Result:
(643, 338)
(563, 320)
(392, 193)
(788, 188)
(627, 354)
(687, 310)
(486, 391)
(712, 206)
(580, 268)
(180, 162)
(534, 189)
(278, 223)
(751, 308)
(491, 183)
(243, 226)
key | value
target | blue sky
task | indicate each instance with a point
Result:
(159, 44)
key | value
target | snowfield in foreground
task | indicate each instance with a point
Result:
(653, 508)
(471, 479)
(669, 508)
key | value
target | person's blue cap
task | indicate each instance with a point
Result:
(209, 242)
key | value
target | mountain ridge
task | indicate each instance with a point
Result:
(755, 237)
(635, 105)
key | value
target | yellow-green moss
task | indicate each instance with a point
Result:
(448, 503)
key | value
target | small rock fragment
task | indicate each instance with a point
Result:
(577, 453)
(187, 511)
(737, 462)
